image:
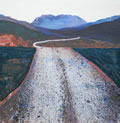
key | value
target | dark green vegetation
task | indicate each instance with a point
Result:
(19, 30)
(14, 65)
(108, 60)
(107, 31)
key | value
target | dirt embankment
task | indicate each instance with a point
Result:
(82, 43)
(12, 41)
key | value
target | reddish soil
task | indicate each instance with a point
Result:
(82, 43)
(11, 40)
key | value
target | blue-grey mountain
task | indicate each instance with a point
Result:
(58, 22)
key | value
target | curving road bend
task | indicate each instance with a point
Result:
(62, 87)
(56, 40)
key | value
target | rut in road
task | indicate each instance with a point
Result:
(69, 111)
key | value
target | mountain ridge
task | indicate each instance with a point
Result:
(58, 22)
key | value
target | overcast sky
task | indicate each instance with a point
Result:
(90, 10)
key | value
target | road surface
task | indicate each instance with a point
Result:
(56, 40)
(62, 87)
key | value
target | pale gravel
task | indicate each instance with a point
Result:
(62, 87)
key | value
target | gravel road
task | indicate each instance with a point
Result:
(62, 87)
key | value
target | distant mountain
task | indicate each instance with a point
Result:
(58, 22)
(109, 19)
(105, 30)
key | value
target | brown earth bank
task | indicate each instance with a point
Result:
(81, 43)
(9, 40)
(12, 41)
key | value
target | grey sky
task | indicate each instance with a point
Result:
(90, 10)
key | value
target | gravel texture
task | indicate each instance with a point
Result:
(62, 87)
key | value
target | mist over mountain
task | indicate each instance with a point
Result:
(58, 22)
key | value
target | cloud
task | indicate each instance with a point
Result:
(89, 10)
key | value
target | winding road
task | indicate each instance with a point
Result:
(62, 87)
(56, 40)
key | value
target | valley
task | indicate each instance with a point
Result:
(59, 69)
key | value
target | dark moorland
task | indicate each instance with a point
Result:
(14, 65)
(19, 30)
(106, 31)
(108, 60)
(81, 43)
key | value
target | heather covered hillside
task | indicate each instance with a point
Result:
(107, 30)
(19, 30)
